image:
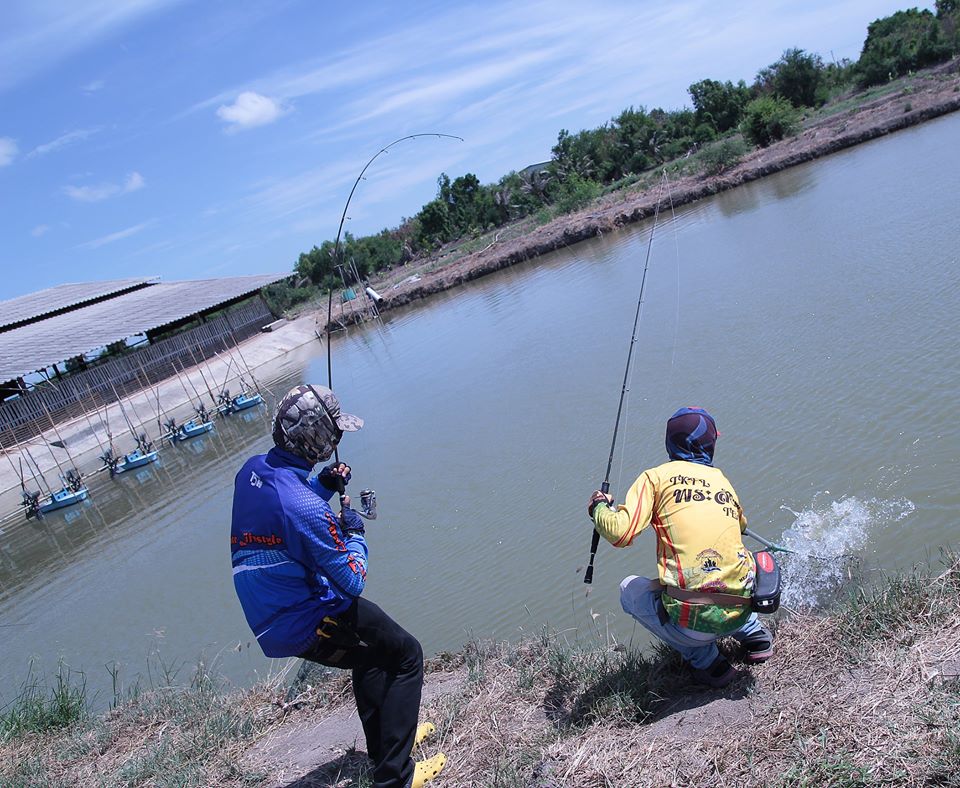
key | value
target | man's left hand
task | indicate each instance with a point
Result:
(335, 476)
(596, 498)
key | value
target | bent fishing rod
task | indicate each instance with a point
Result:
(368, 498)
(605, 487)
(779, 548)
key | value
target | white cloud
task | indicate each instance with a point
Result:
(40, 229)
(39, 34)
(93, 87)
(61, 142)
(8, 151)
(134, 182)
(249, 110)
(117, 236)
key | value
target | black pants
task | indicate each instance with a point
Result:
(387, 664)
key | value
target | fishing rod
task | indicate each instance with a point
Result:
(337, 250)
(779, 548)
(605, 487)
(368, 498)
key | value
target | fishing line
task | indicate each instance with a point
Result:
(676, 317)
(605, 487)
(337, 250)
(676, 325)
(338, 264)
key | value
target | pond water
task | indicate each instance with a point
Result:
(814, 313)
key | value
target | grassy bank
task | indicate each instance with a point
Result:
(865, 695)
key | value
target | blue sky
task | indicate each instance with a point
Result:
(198, 138)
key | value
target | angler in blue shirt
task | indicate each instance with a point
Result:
(299, 570)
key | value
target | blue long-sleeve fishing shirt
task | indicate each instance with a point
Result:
(292, 562)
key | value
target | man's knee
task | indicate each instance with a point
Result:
(636, 595)
(411, 654)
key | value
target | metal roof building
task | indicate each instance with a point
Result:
(45, 328)
(63, 298)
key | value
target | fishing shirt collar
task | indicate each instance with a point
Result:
(278, 456)
(282, 458)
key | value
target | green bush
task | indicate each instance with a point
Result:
(281, 296)
(575, 192)
(722, 155)
(768, 119)
(901, 43)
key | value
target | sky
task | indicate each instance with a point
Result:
(191, 139)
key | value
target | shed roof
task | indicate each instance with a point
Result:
(35, 306)
(41, 344)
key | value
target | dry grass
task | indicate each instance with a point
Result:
(173, 735)
(866, 695)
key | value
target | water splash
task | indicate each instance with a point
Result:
(827, 538)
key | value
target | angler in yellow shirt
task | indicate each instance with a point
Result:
(706, 575)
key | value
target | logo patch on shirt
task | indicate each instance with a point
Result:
(708, 560)
(255, 481)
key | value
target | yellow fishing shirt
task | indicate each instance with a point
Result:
(698, 520)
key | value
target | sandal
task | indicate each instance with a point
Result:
(424, 771)
(719, 674)
(758, 646)
(424, 730)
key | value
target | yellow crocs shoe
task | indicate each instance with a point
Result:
(424, 730)
(427, 770)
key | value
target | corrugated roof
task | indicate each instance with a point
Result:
(54, 299)
(38, 345)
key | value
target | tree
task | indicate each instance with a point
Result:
(904, 42)
(768, 119)
(634, 129)
(435, 224)
(795, 76)
(719, 105)
(948, 14)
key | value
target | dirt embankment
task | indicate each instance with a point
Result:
(913, 100)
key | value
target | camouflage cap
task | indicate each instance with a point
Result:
(309, 423)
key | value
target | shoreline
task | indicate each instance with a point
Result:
(867, 693)
(912, 101)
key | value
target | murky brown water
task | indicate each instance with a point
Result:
(815, 313)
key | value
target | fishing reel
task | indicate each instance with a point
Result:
(368, 504)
